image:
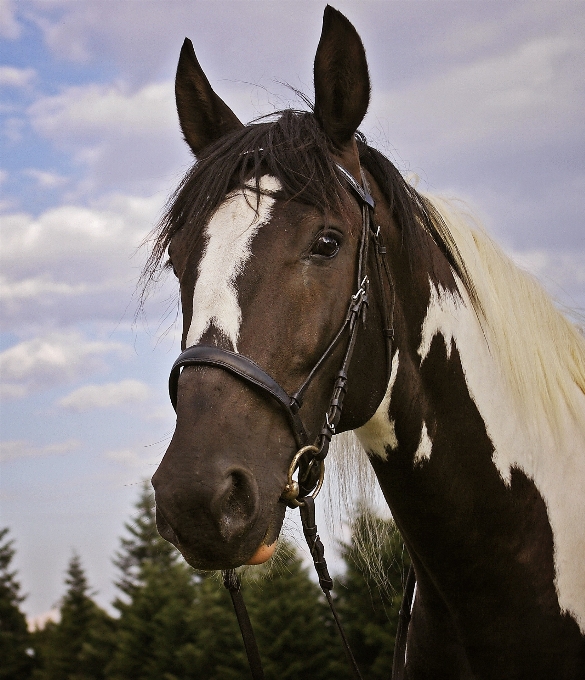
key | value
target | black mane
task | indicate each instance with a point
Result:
(295, 150)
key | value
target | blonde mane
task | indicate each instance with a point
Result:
(539, 351)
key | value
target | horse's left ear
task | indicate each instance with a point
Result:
(342, 83)
(204, 116)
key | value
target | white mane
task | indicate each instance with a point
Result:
(541, 353)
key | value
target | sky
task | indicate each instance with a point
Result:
(481, 100)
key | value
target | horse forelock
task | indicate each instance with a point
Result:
(293, 149)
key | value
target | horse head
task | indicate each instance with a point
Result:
(265, 238)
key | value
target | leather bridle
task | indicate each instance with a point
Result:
(309, 458)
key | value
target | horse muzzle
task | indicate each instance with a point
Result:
(217, 522)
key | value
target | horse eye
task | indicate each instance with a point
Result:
(326, 246)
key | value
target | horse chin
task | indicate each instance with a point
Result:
(263, 554)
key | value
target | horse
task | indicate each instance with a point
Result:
(464, 384)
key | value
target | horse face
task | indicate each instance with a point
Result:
(271, 279)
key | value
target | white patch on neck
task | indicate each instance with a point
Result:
(228, 236)
(425, 446)
(555, 464)
(379, 433)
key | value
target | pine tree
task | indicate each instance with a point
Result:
(144, 546)
(78, 646)
(15, 643)
(217, 652)
(173, 623)
(369, 610)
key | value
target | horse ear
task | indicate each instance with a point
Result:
(342, 83)
(204, 116)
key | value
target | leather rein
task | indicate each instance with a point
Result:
(309, 458)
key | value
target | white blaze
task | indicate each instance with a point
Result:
(228, 236)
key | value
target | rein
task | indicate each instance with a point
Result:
(310, 458)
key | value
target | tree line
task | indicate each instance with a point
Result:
(173, 623)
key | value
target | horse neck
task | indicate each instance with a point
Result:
(468, 479)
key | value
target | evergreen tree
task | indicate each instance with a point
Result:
(78, 646)
(218, 651)
(177, 627)
(176, 624)
(144, 546)
(15, 644)
(173, 623)
(369, 610)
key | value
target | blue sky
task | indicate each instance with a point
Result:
(482, 100)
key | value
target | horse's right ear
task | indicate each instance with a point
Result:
(204, 116)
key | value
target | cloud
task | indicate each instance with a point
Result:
(57, 358)
(125, 139)
(11, 76)
(39, 621)
(496, 99)
(91, 397)
(130, 459)
(73, 263)
(87, 112)
(46, 180)
(561, 273)
(13, 450)
(9, 26)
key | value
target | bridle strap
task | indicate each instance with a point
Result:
(307, 510)
(233, 584)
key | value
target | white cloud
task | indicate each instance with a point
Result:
(57, 358)
(495, 99)
(561, 273)
(122, 139)
(91, 397)
(73, 263)
(88, 111)
(39, 621)
(9, 26)
(13, 450)
(130, 459)
(11, 76)
(46, 180)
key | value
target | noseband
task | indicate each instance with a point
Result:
(310, 456)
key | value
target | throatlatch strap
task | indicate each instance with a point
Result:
(232, 582)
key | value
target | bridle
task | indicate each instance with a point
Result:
(310, 457)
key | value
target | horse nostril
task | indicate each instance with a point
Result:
(235, 505)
